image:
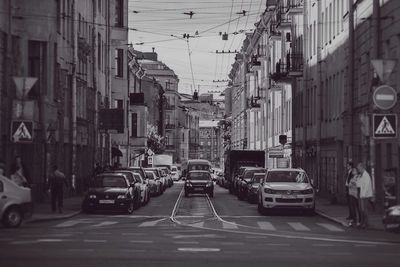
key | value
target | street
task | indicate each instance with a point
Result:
(176, 231)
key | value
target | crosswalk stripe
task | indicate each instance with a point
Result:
(106, 223)
(331, 227)
(266, 226)
(298, 226)
(226, 225)
(68, 223)
(150, 223)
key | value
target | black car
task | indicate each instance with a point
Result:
(245, 180)
(199, 182)
(252, 187)
(111, 192)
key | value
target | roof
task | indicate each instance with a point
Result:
(208, 123)
(287, 169)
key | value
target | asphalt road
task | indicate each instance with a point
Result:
(197, 231)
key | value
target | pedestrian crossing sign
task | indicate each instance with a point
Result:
(385, 125)
(21, 131)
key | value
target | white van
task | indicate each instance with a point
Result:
(15, 203)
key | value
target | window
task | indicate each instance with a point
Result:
(183, 137)
(322, 33)
(1, 186)
(134, 125)
(315, 38)
(330, 22)
(37, 67)
(99, 5)
(58, 16)
(338, 18)
(334, 19)
(119, 13)
(118, 103)
(119, 62)
(311, 41)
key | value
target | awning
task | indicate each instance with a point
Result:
(115, 152)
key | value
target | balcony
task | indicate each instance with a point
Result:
(271, 4)
(254, 102)
(136, 99)
(295, 64)
(274, 34)
(294, 7)
(283, 22)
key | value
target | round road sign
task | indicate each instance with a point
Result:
(385, 97)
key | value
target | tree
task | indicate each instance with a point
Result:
(155, 142)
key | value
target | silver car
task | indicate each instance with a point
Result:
(286, 188)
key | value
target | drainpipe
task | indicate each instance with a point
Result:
(73, 98)
(351, 78)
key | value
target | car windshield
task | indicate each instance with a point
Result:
(286, 177)
(199, 167)
(203, 176)
(129, 175)
(110, 181)
(257, 178)
(150, 175)
(249, 173)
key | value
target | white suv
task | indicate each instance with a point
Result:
(286, 188)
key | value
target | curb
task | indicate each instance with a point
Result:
(330, 218)
(67, 216)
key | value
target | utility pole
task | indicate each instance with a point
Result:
(351, 78)
(73, 98)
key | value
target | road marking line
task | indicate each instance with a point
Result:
(24, 242)
(133, 250)
(94, 241)
(298, 226)
(135, 234)
(199, 249)
(68, 223)
(232, 243)
(142, 241)
(150, 223)
(331, 227)
(365, 246)
(323, 245)
(255, 237)
(198, 224)
(278, 244)
(80, 249)
(226, 225)
(106, 223)
(50, 240)
(266, 226)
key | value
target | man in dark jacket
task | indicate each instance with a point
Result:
(57, 181)
(349, 175)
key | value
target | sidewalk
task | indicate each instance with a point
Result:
(42, 211)
(338, 213)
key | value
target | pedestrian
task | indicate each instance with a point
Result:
(364, 184)
(353, 199)
(19, 166)
(17, 175)
(2, 168)
(349, 175)
(57, 181)
(97, 169)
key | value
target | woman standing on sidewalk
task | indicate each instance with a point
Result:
(364, 184)
(353, 199)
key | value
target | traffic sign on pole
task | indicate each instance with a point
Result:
(385, 97)
(21, 131)
(385, 125)
(23, 85)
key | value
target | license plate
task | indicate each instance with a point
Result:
(198, 189)
(289, 196)
(392, 225)
(107, 201)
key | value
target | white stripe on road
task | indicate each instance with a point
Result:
(266, 226)
(226, 225)
(198, 224)
(199, 249)
(50, 240)
(298, 226)
(331, 227)
(94, 241)
(106, 223)
(68, 223)
(186, 242)
(150, 223)
(323, 245)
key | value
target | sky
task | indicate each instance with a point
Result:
(162, 23)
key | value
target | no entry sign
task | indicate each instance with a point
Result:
(385, 97)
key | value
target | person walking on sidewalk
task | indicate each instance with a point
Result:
(353, 198)
(17, 176)
(364, 183)
(57, 181)
(349, 175)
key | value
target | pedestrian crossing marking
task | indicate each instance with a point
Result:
(106, 223)
(198, 224)
(266, 226)
(150, 223)
(226, 225)
(330, 227)
(385, 127)
(298, 226)
(69, 223)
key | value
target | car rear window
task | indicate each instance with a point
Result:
(110, 181)
(249, 173)
(257, 178)
(151, 175)
(286, 177)
(203, 176)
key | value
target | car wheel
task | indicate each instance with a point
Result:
(12, 218)
(130, 208)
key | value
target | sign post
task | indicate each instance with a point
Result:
(385, 126)
(385, 97)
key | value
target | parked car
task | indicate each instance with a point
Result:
(221, 179)
(199, 182)
(144, 189)
(159, 174)
(176, 173)
(286, 188)
(237, 179)
(245, 180)
(110, 191)
(139, 170)
(252, 187)
(15, 203)
(154, 183)
(391, 218)
(166, 173)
